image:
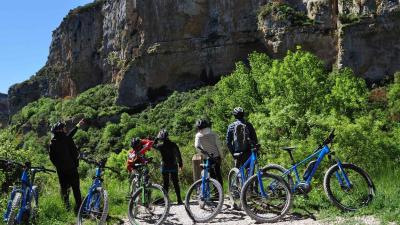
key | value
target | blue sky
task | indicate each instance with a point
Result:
(25, 35)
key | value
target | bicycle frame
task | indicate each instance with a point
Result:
(205, 189)
(27, 193)
(97, 182)
(251, 163)
(319, 154)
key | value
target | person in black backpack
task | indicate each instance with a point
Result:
(65, 157)
(239, 136)
(171, 162)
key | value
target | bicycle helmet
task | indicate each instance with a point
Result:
(135, 142)
(202, 123)
(238, 112)
(162, 135)
(57, 127)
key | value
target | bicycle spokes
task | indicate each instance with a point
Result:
(92, 211)
(148, 206)
(349, 188)
(266, 197)
(204, 200)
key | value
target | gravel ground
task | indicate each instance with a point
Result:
(228, 216)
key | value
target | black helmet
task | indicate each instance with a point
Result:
(57, 127)
(238, 112)
(162, 135)
(135, 142)
(202, 123)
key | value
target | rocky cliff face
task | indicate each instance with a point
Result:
(150, 47)
(3, 110)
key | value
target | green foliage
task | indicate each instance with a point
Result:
(292, 101)
(115, 61)
(280, 11)
(349, 18)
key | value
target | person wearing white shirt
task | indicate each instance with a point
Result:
(208, 140)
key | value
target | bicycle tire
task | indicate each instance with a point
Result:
(280, 171)
(234, 188)
(15, 205)
(347, 167)
(132, 205)
(215, 212)
(34, 204)
(104, 213)
(280, 185)
(133, 184)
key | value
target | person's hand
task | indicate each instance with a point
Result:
(81, 122)
(180, 168)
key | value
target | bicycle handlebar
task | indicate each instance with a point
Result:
(330, 138)
(27, 165)
(100, 164)
(42, 169)
(210, 155)
(11, 162)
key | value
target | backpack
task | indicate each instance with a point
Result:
(241, 137)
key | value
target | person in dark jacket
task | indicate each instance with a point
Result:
(171, 162)
(238, 113)
(65, 157)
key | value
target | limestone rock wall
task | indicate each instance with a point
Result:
(3, 110)
(149, 48)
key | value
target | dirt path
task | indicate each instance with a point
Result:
(228, 216)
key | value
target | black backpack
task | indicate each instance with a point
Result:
(241, 137)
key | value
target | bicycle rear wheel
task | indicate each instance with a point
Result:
(204, 206)
(149, 205)
(352, 195)
(273, 205)
(15, 205)
(94, 210)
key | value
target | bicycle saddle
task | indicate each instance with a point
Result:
(237, 154)
(289, 149)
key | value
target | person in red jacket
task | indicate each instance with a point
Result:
(138, 151)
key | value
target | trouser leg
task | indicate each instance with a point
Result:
(165, 176)
(175, 181)
(64, 186)
(218, 175)
(76, 190)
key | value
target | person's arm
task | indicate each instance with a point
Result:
(52, 155)
(75, 129)
(252, 131)
(229, 139)
(178, 156)
(197, 144)
(146, 146)
(218, 144)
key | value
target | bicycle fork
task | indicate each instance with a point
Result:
(341, 175)
(261, 185)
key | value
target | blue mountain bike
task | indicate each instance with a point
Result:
(22, 206)
(347, 186)
(265, 197)
(94, 208)
(205, 197)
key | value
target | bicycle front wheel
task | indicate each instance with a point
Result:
(94, 209)
(235, 187)
(348, 188)
(15, 205)
(266, 201)
(204, 203)
(148, 205)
